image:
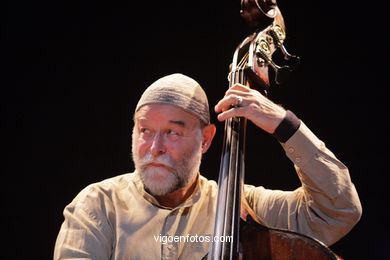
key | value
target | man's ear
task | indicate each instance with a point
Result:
(208, 133)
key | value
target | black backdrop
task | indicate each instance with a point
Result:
(72, 73)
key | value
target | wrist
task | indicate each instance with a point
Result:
(287, 127)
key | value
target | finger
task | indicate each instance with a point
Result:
(239, 87)
(227, 102)
(238, 93)
(232, 112)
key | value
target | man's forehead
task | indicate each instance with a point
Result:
(165, 113)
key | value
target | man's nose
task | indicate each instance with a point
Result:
(158, 146)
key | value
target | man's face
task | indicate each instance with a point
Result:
(166, 147)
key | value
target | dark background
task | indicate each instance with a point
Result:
(72, 73)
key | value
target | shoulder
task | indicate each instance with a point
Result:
(206, 183)
(109, 185)
(208, 187)
(101, 194)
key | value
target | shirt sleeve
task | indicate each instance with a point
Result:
(326, 206)
(85, 232)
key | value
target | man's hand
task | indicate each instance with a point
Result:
(241, 101)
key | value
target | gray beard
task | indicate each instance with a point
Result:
(175, 176)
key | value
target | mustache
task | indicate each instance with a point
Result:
(164, 159)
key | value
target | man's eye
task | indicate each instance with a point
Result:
(173, 135)
(145, 131)
(171, 132)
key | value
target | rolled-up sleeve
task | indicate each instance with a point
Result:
(326, 206)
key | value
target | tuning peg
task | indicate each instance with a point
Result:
(292, 60)
(278, 35)
(281, 72)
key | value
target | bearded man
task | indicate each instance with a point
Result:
(157, 211)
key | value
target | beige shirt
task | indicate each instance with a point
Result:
(117, 219)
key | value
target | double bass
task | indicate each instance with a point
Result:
(252, 64)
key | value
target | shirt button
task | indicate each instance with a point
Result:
(170, 247)
(298, 159)
(291, 150)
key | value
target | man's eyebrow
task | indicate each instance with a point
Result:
(178, 122)
(141, 118)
